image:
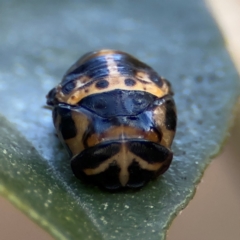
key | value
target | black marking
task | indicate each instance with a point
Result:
(129, 82)
(51, 97)
(67, 126)
(165, 165)
(68, 87)
(54, 115)
(130, 66)
(158, 132)
(127, 65)
(108, 179)
(95, 67)
(170, 87)
(92, 157)
(171, 117)
(138, 176)
(156, 79)
(118, 103)
(102, 117)
(149, 151)
(89, 131)
(102, 84)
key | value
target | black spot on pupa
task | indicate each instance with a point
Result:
(108, 179)
(129, 82)
(67, 125)
(102, 84)
(67, 88)
(156, 79)
(92, 157)
(138, 176)
(149, 151)
(171, 117)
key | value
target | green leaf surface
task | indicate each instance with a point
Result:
(40, 40)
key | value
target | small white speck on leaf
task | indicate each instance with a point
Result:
(104, 220)
(105, 206)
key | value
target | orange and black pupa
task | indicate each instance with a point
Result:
(116, 117)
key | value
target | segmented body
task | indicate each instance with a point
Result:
(117, 119)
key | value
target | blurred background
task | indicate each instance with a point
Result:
(214, 213)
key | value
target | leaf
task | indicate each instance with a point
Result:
(40, 40)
